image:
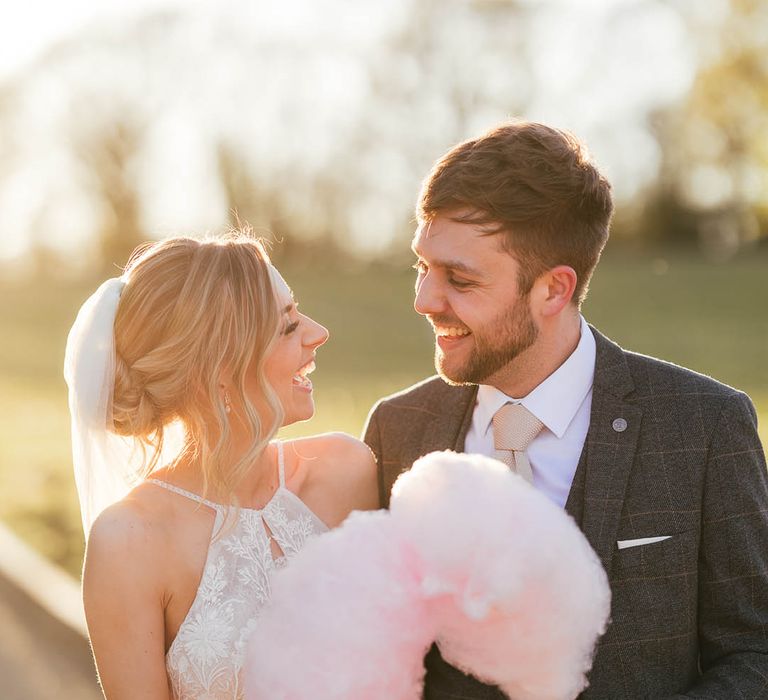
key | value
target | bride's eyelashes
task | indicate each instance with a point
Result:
(292, 309)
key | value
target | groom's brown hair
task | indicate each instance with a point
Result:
(535, 185)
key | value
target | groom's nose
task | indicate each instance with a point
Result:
(429, 299)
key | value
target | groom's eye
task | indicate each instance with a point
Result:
(459, 284)
(420, 267)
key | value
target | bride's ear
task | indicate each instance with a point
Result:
(225, 386)
(226, 378)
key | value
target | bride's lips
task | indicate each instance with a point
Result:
(301, 380)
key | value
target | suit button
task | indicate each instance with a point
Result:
(619, 425)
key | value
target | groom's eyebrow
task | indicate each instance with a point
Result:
(456, 265)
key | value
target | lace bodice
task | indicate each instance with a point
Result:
(206, 657)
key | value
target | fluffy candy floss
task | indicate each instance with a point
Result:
(469, 555)
(516, 593)
(346, 620)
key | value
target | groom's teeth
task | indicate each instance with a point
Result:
(452, 332)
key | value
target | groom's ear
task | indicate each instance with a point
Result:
(554, 289)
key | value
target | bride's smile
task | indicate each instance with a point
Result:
(292, 357)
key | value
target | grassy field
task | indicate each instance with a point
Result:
(712, 318)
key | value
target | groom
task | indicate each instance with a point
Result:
(661, 467)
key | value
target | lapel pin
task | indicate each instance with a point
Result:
(619, 425)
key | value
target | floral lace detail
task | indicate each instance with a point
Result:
(205, 659)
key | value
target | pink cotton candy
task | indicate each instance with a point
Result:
(345, 620)
(517, 595)
(469, 555)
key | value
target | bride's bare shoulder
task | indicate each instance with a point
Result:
(336, 467)
(133, 529)
(333, 446)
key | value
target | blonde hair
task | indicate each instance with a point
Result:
(190, 311)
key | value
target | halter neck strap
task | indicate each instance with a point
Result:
(217, 506)
(185, 493)
(280, 463)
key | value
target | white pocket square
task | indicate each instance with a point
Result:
(626, 544)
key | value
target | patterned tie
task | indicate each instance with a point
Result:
(514, 428)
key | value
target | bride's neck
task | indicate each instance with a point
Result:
(259, 481)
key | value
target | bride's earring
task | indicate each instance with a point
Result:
(227, 404)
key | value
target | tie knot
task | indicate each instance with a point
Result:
(514, 427)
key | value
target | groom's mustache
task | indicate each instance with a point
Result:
(445, 321)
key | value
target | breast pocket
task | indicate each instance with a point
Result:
(654, 588)
(679, 550)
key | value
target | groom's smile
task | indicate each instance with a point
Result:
(449, 336)
(467, 288)
(448, 329)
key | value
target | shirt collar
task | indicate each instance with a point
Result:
(557, 399)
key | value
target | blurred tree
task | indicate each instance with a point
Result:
(346, 169)
(442, 72)
(245, 201)
(317, 121)
(109, 157)
(714, 180)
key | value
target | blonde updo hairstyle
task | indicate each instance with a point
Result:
(191, 312)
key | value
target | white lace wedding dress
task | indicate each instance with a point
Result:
(205, 659)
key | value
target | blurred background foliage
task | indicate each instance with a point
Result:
(315, 121)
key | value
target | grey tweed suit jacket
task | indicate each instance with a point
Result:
(689, 614)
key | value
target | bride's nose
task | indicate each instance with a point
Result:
(316, 334)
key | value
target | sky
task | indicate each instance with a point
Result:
(600, 84)
(29, 27)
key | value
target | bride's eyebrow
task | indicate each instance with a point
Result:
(293, 304)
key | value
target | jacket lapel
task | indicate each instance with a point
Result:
(609, 450)
(610, 447)
(448, 430)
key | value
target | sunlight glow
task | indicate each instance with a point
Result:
(332, 111)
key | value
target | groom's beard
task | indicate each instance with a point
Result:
(513, 333)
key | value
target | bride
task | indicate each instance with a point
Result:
(205, 339)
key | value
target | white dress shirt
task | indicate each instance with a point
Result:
(562, 402)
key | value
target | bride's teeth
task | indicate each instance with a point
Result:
(307, 369)
(301, 376)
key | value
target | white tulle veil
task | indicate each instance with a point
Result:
(106, 465)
